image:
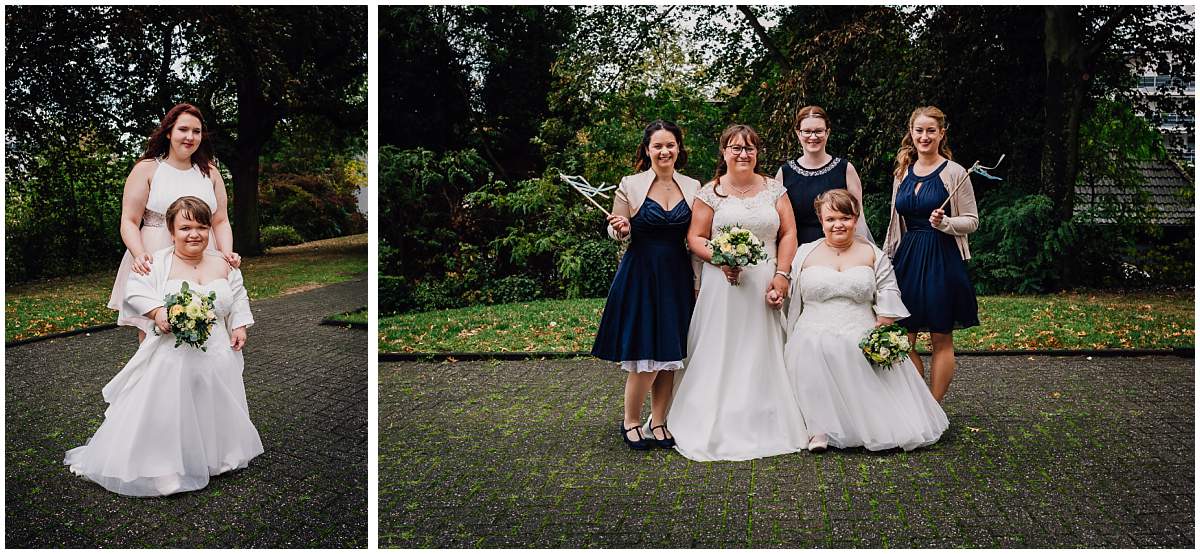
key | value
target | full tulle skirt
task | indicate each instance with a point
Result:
(182, 421)
(734, 400)
(842, 395)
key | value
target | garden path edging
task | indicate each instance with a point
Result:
(463, 356)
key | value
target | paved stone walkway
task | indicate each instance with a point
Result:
(307, 389)
(1041, 452)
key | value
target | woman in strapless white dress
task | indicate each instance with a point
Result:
(177, 415)
(178, 162)
(841, 289)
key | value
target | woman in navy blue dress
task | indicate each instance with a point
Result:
(645, 320)
(815, 172)
(928, 245)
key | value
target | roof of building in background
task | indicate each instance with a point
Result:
(1171, 192)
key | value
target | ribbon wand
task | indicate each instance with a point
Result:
(975, 168)
(585, 188)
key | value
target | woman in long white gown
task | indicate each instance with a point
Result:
(177, 415)
(841, 289)
(734, 401)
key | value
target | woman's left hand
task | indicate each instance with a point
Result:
(935, 218)
(237, 339)
(880, 321)
(234, 260)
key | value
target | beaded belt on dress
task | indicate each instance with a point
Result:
(153, 219)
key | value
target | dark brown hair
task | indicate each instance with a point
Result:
(159, 143)
(838, 200)
(748, 135)
(641, 160)
(908, 151)
(811, 111)
(192, 208)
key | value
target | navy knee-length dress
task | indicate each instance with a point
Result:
(650, 302)
(929, 268)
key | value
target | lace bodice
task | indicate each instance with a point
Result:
(839, 300)
(756, 213)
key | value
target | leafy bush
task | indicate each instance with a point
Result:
(514, 288)
(279, 235)
(1014, 249)
(311, 204)
(395, 294)
(437, 294)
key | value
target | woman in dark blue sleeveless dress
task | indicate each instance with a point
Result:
(928, 245)
(815, 172)
(645, 320)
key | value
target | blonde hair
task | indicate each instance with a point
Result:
(908, 151)
(838, 200)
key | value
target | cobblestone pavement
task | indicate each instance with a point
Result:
(307, 389)
(1041, 452)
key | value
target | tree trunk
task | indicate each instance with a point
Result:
(256, 121)
(1065, 92)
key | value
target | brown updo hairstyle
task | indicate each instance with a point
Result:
(838, 200)
(159, 144)
(641, 159)
(749, 136)
(908, 151)
(192, 208)
(811, 111)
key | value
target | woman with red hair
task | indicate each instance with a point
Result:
(178, 162)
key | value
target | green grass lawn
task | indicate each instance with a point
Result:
(78, 301)
(357, 316)
(1073, 320)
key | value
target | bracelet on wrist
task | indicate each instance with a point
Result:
(784, 274)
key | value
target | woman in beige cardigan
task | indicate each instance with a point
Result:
(649, 306)
(928, 245)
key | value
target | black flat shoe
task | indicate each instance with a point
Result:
(640, 444)
(661, 443)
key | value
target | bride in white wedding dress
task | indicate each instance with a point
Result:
(177, 415)
(841, 289)
(734, 401)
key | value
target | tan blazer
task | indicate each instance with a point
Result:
(962, 205)
(631, 194)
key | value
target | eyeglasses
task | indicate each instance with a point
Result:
(739, 150)
(818, 133)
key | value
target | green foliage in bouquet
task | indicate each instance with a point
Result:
(736, 247)
(886, 345)
(191, 316)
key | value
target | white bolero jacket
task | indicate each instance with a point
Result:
(887, 301)
(146, 292)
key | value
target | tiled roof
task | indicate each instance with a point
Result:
(1170, 192)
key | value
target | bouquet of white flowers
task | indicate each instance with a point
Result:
(191, 316)
(885, 346)
(736, 247)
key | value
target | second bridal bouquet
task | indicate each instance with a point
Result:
(191, 316)
(734, 246)
(885, 346)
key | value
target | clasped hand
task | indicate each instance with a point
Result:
(777, 292)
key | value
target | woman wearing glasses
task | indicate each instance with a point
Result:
(815, 172)
(734, 401)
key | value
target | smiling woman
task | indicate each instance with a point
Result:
(178, 162)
